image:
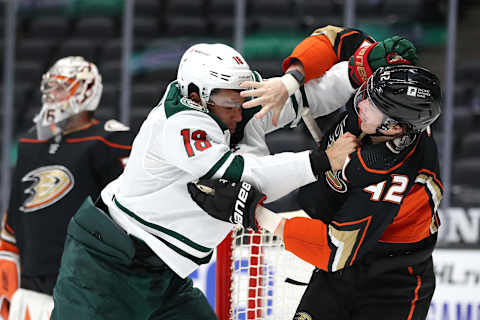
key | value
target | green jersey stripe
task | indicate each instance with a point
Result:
(216, 166)
(169, 232)
(235, 169)
(196, 260)
(304, 97)
(294, 104)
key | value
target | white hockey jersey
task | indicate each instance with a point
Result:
(180, 141)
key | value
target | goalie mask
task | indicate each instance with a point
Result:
(408, 95)
(72, 85)
(212, 66)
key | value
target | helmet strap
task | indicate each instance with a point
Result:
(400, 143)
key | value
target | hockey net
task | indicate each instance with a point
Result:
(257, 278)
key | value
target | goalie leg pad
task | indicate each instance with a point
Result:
(27, 304)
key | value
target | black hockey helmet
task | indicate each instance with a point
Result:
(410, 95)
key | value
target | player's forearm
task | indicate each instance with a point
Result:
(330, 92)
(304, 237)
(316, 55)
(279, 174)
(307, 239)
(296, 65)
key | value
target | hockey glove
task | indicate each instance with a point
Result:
(233, 202)
(367, 59)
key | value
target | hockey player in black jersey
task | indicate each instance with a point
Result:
(375, 221)
(68, 156)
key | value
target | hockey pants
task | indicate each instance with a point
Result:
(355, 293)
(102, 277)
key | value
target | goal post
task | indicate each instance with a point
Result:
(256, 278)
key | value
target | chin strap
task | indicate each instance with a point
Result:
(379, 134)
(400, 143)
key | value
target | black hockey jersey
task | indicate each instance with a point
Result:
(384, 200)
(52, 178)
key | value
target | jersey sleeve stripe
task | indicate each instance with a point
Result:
(435, 190)
(216, 166)
(434, 177)
(28, 140)
(235, 169)
(6, 245)
(340, 42)
(294, 103)
(365, 221)
(102, 139)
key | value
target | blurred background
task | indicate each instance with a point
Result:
(137, 44)
(154, 33)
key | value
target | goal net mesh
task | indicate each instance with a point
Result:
(257, 278)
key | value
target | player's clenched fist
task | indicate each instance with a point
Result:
(338, 151)
(233, 202)
(334, 157)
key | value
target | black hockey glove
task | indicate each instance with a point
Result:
(233, 202)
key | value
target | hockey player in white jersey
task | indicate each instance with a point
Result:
(133, 261)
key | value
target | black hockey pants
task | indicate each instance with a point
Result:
(357, 293)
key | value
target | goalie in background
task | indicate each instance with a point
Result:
(68, 156)
(374, 221)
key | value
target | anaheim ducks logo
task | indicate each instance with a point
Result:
(335, 181)
(50, 184)
(302, 316)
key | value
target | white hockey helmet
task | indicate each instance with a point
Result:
(70, 86)
(212, 66)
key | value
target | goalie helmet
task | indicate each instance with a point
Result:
(70, 86)
(212, 66)
(406, 94)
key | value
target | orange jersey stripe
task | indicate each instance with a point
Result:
(7, 246)
(108, 143)
(28, 140)
(50, 198)
(307, 239)
(9, 229)
(388, 170)
(340, 43)
(316, 54)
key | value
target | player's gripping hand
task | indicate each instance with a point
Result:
(334, 157)
(367, 59)
(271, 94)
(233, 202)
(337, 152)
